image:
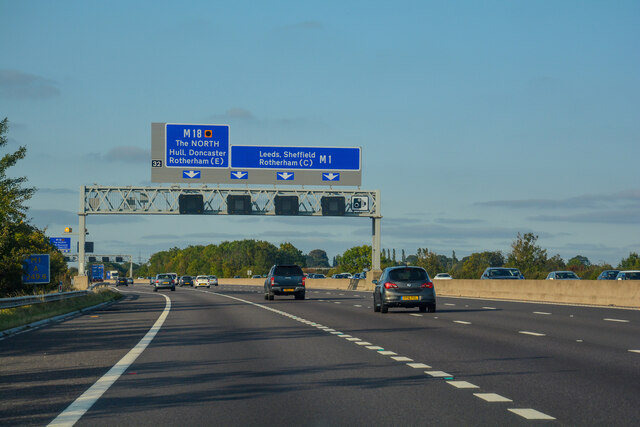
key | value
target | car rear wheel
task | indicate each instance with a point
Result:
(155, 289)
(423, 308)
(299, 296)
(173, 289)
(432, 308)
(384, 308)
(376, 306)
(271, 297)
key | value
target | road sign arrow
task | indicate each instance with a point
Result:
(285, 176)
(239, 175)
(191, 174)
(331, 176)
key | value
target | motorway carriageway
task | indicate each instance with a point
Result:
(225, 356)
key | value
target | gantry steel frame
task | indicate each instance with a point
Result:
(157, 200)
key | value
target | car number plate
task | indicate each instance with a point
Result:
(411, 298)
(288, 290)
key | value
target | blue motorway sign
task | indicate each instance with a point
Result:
(201, 146)
(63, 244)
(97, 271)
(36, 269)
(288, 158)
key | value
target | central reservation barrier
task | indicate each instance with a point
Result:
(616, 293)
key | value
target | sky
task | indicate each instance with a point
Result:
(477, 120)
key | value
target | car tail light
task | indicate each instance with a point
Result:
(273, 281)
(303, 281)
(427, 285)
(390, 285)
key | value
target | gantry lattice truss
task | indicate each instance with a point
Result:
(164, 200)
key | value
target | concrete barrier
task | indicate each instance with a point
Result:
(617, 293)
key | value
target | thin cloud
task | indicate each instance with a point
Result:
(611, 217)
(46, 217)
(579, 202)
(128, 155)
(235, 114)
(19, 85)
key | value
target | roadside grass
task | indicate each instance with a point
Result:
(18, 316)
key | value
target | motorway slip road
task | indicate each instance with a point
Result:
(225, 356)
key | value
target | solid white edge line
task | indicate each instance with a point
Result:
(82, 404)
(634, 351)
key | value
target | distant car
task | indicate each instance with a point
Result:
(356, 276)
(285, 280)
(122, 281)
(256, 276)
(315, 276)
(499, 273)
(608, 275)
(629, 275)
(140, 278)
(562, 275)
(341, 276)
(404, 286)
(442, 276)
(201, 281)
(213, 280)
(164, 281)
(185, 281)
(130, 281)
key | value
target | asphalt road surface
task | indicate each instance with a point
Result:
(225, 356)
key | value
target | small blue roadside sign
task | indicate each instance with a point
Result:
(201, 146)
(63, 244)
(288, 158)
(36, 269)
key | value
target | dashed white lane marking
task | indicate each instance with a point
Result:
(526, 413)
(531, 414)
(357, 305)
(535, 334)
(543, 313)
(492, 397)
(437, 374)
(634, 351)
(363, 343)
(489, 308)
(418, 366)
(353, 339)
(82, 404)
(462, 384)
(402, 359)
(337, 302)
(617, 320)
(415, 315)
(462, 322)
(449, 304)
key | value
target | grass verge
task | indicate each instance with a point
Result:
(18, 316)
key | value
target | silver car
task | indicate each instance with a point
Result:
(562, 275)
(404, 286)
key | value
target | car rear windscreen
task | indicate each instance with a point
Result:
(408, 275)
(288, 270)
